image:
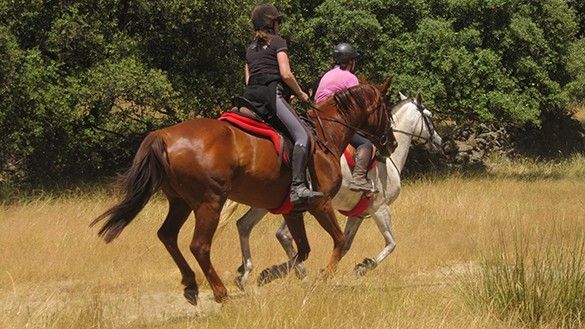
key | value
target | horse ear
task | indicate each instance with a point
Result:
(419, 98)
(402, 97)
(385, 85)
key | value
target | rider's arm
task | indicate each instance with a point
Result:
(288, 77)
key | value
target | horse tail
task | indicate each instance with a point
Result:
(149, 168)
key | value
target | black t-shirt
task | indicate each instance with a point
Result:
(261, 57)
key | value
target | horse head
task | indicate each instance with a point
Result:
(418, 120)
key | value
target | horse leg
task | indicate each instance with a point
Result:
(351, 228)
(285, 238)
(296, 227)
(245, 226)
(206, 221)
(178, 213)
(325, 215)
(383, 219)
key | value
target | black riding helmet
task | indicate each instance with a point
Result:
(263, 17)
(343, 53)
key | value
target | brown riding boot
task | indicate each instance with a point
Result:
(360, 181)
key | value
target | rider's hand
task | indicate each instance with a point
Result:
(304, 97)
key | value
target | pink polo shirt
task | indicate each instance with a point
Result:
(333, 81)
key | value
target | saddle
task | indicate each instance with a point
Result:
(244, 117)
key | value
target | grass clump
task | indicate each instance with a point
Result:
(537, 284)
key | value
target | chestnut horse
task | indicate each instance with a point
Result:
(200, 163)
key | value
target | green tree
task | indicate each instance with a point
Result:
(81, 83)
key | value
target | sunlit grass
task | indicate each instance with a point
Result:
(56, 273)
(528, 169)
(538, 282)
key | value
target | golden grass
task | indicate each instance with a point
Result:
(56, 273)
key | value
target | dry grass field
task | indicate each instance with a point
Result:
(56, 273)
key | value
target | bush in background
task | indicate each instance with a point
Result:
(82, 83)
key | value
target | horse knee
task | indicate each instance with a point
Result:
(166, 236)
(242, 228)
(200, 251)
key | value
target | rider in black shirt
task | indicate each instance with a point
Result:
(269, 79)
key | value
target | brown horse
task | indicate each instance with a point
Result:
(202, 162)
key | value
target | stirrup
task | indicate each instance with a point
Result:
(365, 186)
(301, 194)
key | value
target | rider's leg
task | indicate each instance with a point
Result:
(298, 191)
(362, 157)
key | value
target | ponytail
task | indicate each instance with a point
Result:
(263, 36)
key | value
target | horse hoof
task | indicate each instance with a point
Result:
(264, 277)
(221, 298)
(240, 282)
(326, 274)
(362, 268)
(300, 272)
(270, 274)
(191, 295)
(359, 270)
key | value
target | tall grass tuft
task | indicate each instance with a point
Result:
(534, 282)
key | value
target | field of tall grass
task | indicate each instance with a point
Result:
(504, 249)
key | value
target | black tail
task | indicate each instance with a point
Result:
(149, 168)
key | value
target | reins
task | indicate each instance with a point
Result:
(383, 138)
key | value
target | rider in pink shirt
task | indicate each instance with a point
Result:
(334, 80)
(341, 77)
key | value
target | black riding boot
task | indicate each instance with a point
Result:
(360, 181)
(298, 191)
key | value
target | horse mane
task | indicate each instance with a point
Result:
(357, 96)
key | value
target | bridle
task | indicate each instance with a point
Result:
(382, 140)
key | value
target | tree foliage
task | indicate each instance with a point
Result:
(81, 83)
